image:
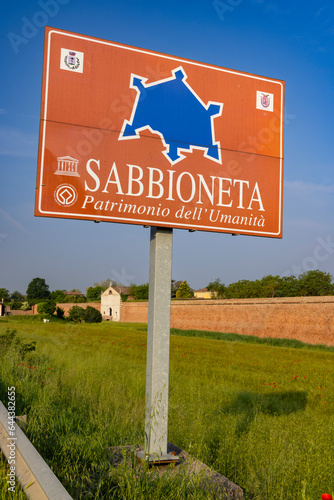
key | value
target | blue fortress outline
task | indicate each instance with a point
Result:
(173, 110)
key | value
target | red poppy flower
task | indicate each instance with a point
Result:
(326, 496)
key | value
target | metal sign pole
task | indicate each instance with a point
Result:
(158, 341)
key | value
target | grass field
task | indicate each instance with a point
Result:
(259, 414)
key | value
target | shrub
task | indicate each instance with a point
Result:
(60, 313)
(184, 291)
(25, 306)
(47, 307)
(139, 292)
(76, 313)
(92, 315)
(58, 296)
(15, 305)
(9, 340)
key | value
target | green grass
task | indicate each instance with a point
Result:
(4, 493)
(259, 414)
(252, 339)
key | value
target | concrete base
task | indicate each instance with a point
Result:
(155, 459)
(209, 479)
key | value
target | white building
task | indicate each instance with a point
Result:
(111, 302)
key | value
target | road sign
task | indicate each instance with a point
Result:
(134, 136)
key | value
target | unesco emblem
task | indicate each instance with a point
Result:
(65, 195)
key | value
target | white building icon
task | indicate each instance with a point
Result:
(67, 166)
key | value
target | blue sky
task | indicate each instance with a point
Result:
(291, 41)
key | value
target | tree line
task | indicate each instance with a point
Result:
(311, 283)
(38, 291)
(179, 290)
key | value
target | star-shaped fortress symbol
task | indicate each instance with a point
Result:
(173, 110)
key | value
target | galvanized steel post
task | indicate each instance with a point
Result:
(158, 341)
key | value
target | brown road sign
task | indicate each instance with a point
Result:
(134, 136)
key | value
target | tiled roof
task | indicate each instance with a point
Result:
(122, 289)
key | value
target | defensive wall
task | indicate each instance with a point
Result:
(67, 306)
(309, 319)
(18, 312)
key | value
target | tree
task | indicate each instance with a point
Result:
(78, 299)
(174, 288)
(315, 283)
(60, 313)
(4, 294)
(142, 292)
(17, 297)
(25, 306)
(132, 290)
(242, 289)
(107, 283)
(139, 292)
(94, 293)
(76, 314)
(37, 290)
(290, 287)
(268, 286)
(92, 315)
(307, 284)
(16, 300)
(47, 307)
(217, 288)
(73, 298)
(15, 305)
(58, 296)
(184, 291)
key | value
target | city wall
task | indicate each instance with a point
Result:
(18, 312)
(67, 306)
(309, 319)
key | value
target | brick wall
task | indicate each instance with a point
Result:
(18, 312)
(134, 312)
(67, 306)
(309, 319)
